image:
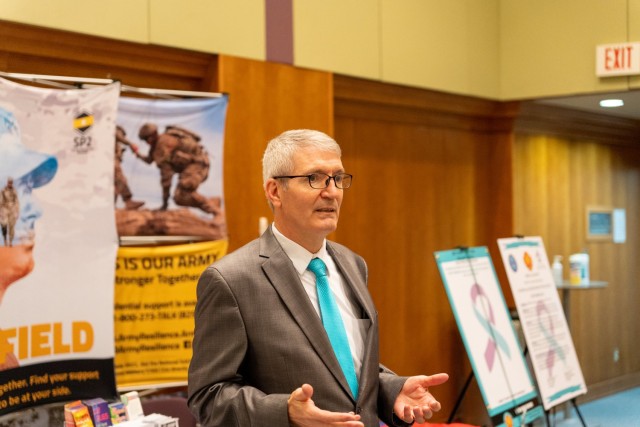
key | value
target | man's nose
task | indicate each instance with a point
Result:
(331, 189)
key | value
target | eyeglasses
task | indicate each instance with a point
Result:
(321, 181)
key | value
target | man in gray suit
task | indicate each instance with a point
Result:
(261, 355)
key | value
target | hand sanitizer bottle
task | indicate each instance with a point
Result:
(556, 270)
(579, 264)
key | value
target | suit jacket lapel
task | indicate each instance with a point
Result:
(284, 278)
(359, 288)
(353, 280)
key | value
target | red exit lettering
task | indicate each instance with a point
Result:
(618, 58)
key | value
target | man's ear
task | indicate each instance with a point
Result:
(272, 191)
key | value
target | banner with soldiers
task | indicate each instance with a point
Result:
(168, 167)
(168, 182)
(58, 246)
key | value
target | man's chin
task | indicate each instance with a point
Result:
(329, 225)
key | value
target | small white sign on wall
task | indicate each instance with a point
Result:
(620, 59)
(619, 226)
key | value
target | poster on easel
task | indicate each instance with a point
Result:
(489, 338)
(545, 327)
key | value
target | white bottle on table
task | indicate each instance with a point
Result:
(556, 270)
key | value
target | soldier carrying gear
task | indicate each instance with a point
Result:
(121, 186)
(9, 211)
(178, 151)
(189, 150)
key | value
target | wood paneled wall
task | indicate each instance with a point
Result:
(31, 49)
(265, 99)
(431, 172)
(565, 161)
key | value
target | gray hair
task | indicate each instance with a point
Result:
(278, 157)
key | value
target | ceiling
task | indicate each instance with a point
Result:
(630, 109)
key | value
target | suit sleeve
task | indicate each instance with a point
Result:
(390, 386)
(218, 394)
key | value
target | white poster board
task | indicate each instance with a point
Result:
(545, 328)
(488, 335)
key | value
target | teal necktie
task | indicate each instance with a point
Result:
(332, 322)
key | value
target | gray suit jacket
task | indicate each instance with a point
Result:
(258, 338)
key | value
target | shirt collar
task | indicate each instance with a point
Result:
(299, 255)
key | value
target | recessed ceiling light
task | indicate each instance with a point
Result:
(611, 103)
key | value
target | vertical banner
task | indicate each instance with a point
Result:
(168, 177)
(488, 335)
(59, 244)
(155, 302)
(167, 182)
(545, 328)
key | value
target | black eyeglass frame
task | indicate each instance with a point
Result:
(326, 182)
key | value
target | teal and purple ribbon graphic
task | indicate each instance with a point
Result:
(548, 333)
(496, 340)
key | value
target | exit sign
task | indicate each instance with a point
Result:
(621, 59)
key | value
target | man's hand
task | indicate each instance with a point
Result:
(415, 403)
(304, 413)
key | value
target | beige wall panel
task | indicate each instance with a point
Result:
(235, 27)
(493, 49)
(548, 46)
(117, 19)
(338, 35)
(634, 20)
(450, 46)
(634, 34)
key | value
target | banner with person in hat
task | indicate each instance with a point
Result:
(58, 246)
